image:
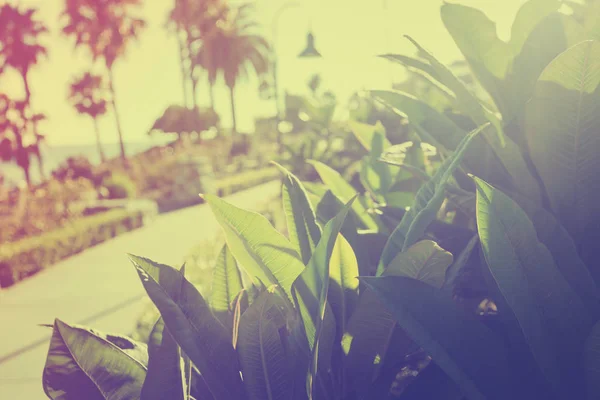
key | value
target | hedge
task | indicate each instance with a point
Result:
(28, 256)
(245, 180)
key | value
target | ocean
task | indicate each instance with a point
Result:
(54, 155)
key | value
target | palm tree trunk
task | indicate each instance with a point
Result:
(233, 116)
(98, 143)
(117, 120)
(180, 40)
(22, 155)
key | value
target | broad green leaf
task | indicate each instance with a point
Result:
(343, 283)
(466, 101)
(226, 284)
(467, 350)
(489, 57)
(302, 224)
(195, 329)
(266, 371)
(311, 290)
(83, 364)
(551, 315)
(591, 360)
(486, 156)
(551, 36)
(328, 208)
(166, 377)
(430, 124)
(528, 17)
(365, 133)
(344, 191)
(428, 201)
(424, 261)
(504, 148)
(375, 175)
(562, 124)
(369, 341)
(260, 249)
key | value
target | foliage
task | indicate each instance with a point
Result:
(106, 29)
(478, 275)
(75, 168)
(20, 49)
(119, 186)
(88, 94)
(180, 120)
(28, 256)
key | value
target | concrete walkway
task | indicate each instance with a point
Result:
(98, 287)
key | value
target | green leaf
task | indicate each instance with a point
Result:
(195, 329)
(344, 191)
(311, 290)
(226, 284)
(300, 216)
(266, 371)
(424, 261)
(343, 282)
(165, 378)
(591, 360)
(83, 364)
(463, 347)
(365, 133)
(507, 167)
(550, 37)
(260, 249)
(489, 57)
(551, 315)
(430, 124)
(564, 251)
(528, 17)
(428, 201)
(562, 124)
(375, 175)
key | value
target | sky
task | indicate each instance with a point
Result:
(348, 33)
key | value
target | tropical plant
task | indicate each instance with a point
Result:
(483, 288)
(234, 48)
(21, 50)
(15, 138)
(105, 28)
(194, 23)
(88, 96)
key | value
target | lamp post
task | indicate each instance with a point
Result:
(309, 52)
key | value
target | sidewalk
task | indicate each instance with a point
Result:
(98, 287)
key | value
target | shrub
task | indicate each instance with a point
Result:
(28, 256)
(244, 180)
(119, 186)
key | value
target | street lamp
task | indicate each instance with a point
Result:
(309, 52)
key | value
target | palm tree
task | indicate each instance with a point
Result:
(87, 95)
(105, 27)
(20, 49)
(234, 48)
(194, 22)
(13, 129)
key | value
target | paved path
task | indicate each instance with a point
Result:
(98, 287)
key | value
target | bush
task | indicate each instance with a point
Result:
(28, 256)
(245, 180)
(119, 186)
